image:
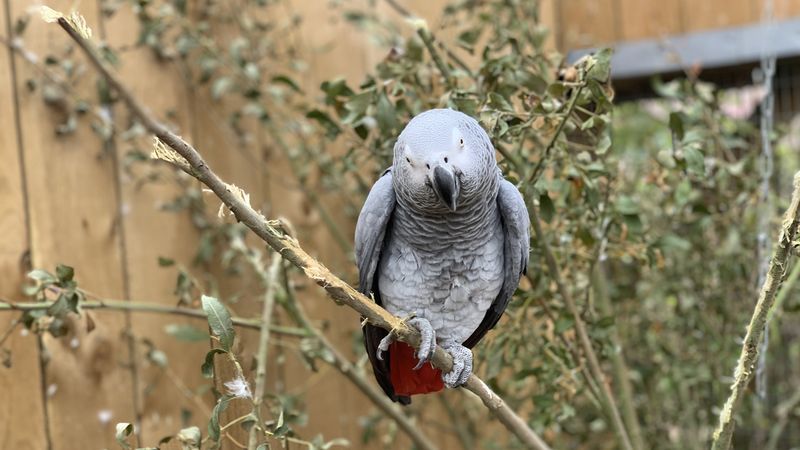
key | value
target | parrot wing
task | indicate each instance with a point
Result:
(374, 222)
(516, 248)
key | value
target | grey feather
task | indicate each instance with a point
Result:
(373, 222)
(371, 229)
(516, 250)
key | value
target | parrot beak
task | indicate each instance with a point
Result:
(445, 185)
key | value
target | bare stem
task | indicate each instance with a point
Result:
(618, 364)
(263, 347)
(745, 368)
(11, 327)
(288, 247)
(546, 153)
(147, 307)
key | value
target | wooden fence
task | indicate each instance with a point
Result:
(68, 199)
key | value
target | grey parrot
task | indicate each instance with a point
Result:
(442, 238)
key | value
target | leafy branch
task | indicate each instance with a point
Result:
(288, 247)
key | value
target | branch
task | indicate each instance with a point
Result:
(263, 346)
(758, 322)
(146, 307)
(338, 290)
(410, 16)
(580, 328)
(621, 372)
(546, 153)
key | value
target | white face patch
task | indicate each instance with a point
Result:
(457, 139)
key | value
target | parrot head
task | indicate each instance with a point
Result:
(442, 160)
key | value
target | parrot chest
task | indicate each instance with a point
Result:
(450, 282)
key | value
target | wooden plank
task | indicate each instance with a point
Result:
(73, 220)
(712, 14)
(22, 415)
(650, 19)
(151, 233)
(587, 23)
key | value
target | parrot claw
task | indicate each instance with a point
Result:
(462, 365)
(384, 345)
(427, 342)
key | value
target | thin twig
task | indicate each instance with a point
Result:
(11, 327)
(546, 153)
(427, 39)
(146, 307)
(263, 348)
(289, 248)
(580, 328)
(408, 15)
(745, 368)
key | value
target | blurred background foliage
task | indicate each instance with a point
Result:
(651, 207)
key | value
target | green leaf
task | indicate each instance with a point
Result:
(124, 430)
(208, 365)
(66, 302)
(676, 124)
(331, 128)
(213, 423)
(601, 70)
(283, 79)
(357, 106)
(546, 207)
(64, 273)
(165, 262)
(186, 332)
(220, 87)
(190, 438)
(603, 145)
(220, 321)
(695, 162)
(385, 113)
(627, 205)
(42, 276)
(468, 38)
(564, 323)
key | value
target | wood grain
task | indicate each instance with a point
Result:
(73, 220)
(22, 416)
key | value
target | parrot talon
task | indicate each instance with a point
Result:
(427, 342)
(384, 345)
(462, 365)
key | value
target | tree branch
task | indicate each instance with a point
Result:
(337, 289)
(758, 322)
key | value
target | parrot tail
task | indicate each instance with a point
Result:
(406, 380)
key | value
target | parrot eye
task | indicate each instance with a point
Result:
(445, 159)
(461, 142)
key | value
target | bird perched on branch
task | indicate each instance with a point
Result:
(442, 238)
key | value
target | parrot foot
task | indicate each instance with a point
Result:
(427, 342)
(462, 364)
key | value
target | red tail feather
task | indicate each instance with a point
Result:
(406, 380)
